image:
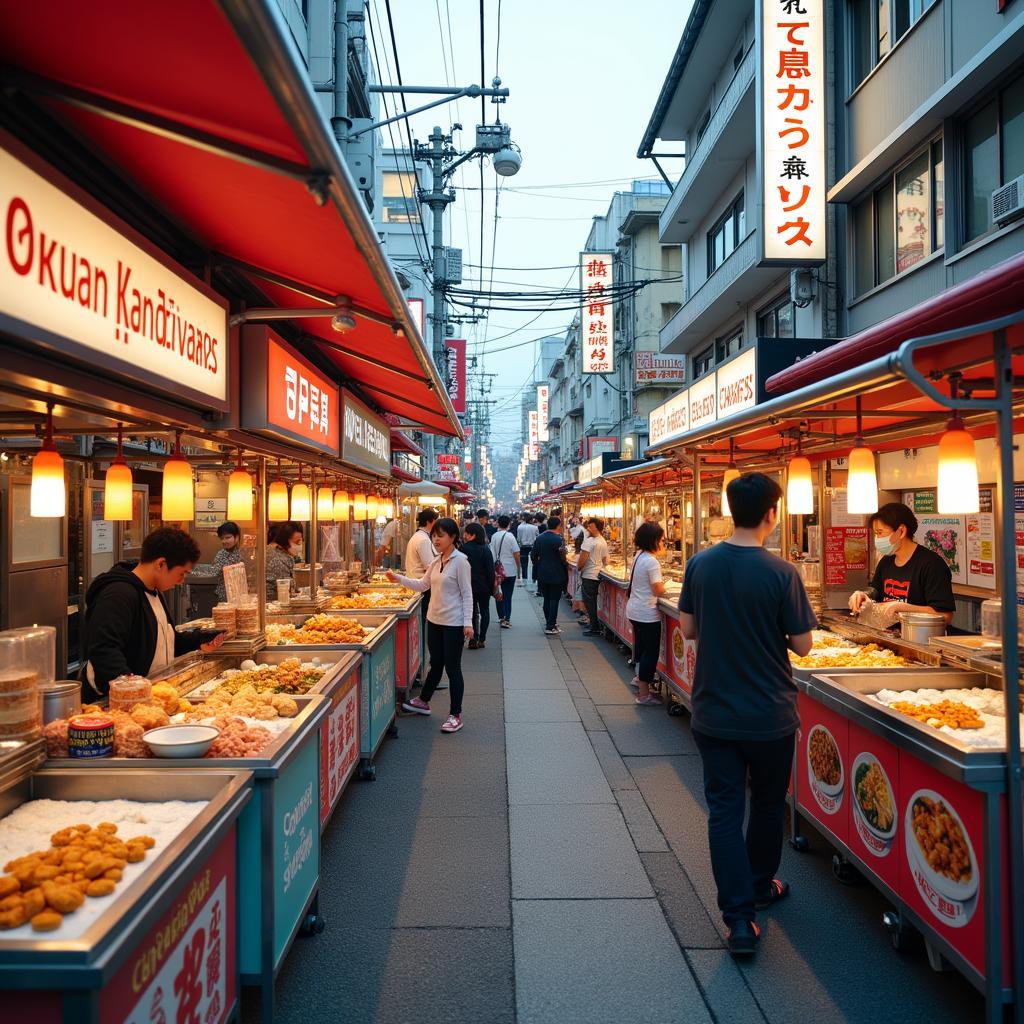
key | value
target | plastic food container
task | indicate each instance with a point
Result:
(284, 591)
(127, 691)
(90, 736)
(992, 617)
(21, 708)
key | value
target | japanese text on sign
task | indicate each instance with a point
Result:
(300, 401)
(455, 373)
(597, 319)
(654, 367)
(792, 110)
(534, 447)
(542, 413)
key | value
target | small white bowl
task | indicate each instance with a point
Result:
(181, 740)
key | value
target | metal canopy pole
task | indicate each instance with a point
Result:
(261, 542)
(696, 501)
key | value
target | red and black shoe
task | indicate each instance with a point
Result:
(777, 890)
(743, 938)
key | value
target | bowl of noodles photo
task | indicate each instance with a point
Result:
(823, 761)
(873, 799)
(938, 841)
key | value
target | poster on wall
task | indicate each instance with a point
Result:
(946, 536)
(846, 551)
(981, 543)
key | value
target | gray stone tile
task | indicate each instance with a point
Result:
(647, 731)
(534, 674)
(601, 962)
(609, 691)
(687, 916)
(642, 827)
(612, 765)
(724, 987)
(539, 706)
(580, 851)
(553, 763)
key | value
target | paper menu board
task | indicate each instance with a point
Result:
(981, 543)
(1018, 525)
(235, 583)
(839, 514)
(846, 551)
(946, 536)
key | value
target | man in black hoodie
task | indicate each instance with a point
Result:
(128, 628)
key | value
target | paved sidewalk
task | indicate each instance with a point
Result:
(548, 865)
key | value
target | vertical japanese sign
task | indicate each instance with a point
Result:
(534, 447)
(791, 113)
(455, 373)
(597, 317)
(542, 413)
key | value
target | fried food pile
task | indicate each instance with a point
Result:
(288, 677)
(374, 599)
(318, 629)
(951, 713)
(247, 702)
(868, 656)
(82, 861)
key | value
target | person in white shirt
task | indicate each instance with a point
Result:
(592, 558)
(505, 549)
(645, 587)
(577, 532)
(387, 541)
(449, 620)
(419, 553)
(525, 536)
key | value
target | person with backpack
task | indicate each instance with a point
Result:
(449, 620)
(507, 559)
(481, 570)
(747, 609)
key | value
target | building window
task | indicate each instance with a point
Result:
(876, 26)
(900, 223)
(668, 310)
(728, 345)
(399, 198)
(778, 319)
(738, 59)
(727, 232)
(993, 154)
(702, 128)
(703, 361)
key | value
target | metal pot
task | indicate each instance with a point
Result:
(61, 699)
(920, 627)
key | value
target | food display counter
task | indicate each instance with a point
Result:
(377, 697)
(612, 596)
(164, 944)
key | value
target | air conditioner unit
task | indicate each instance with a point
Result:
(1008, 201)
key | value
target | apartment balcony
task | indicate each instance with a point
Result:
(726, 144)
(737, 281)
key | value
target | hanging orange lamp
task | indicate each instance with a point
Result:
(277, 499)
(178, 493)
(359, 508)
(799, 485)
(117, 486)
(240, 500)
(861, 478)
(958, 471)
(730, 474)
(341, 509)
(48, 494)
(301, 505)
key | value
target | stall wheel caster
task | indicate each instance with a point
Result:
(368, 773)
(844, 870)
(393, 731)
(312, 924)
(800, 843)
(899, 931)
(674, 708)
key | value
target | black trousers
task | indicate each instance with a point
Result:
(444, 644)
(524, 560)
(481, 615)
(744, 865)
(646, 642)
(552, 594)
(424, 605)
(590, 589)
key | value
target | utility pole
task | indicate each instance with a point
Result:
(438, 199)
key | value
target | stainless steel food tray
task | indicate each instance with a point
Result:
(379, 625)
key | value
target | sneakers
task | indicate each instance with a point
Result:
(635, 682)
(505, 624)
(453, 723)
(416, 706)
(592, 632)
(649, 701)
(473, 645)
(743, 936)
(777, 890)
(552, 632)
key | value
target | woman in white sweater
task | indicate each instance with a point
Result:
(449, 620)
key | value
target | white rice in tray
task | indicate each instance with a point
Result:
(990, 705)
(28, 828)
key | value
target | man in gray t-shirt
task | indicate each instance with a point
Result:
(746, 609)
(590, 562)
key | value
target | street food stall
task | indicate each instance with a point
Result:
(908, 760)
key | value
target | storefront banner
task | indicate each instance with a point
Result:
(455, 373)
(737, 384)
(600, 445)
(534, 448)
(597, 315)
(542, 413)
(75, 279)
(670, 419)
(286, 396)
(365, 437)
(703, 402)
(791, 123)
(654, 368)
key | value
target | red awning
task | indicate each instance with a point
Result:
(456, 486)
(405, 476)
(204, 107)
(997, 292)
(402, 442)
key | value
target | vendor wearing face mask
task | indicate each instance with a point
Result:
(283, 550)
(908, 577)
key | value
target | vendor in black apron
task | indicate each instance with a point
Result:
(908, 577)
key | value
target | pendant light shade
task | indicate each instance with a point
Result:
(117, 487)
(325, 505)
(730, 474)
(301, 504)
(799, 488)
(359, 508)
(372, 506)
(862, 482)
(178, 493)
(48, 495)
(277, 499)
(240, 502)
(341, 510)
(958, 471)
